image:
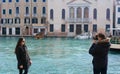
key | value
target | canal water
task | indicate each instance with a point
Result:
(54, 56)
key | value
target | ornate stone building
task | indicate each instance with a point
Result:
(22, 17)
(73, 17)
(55, 17)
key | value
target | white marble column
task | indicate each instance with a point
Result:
(82, 12)
(82, 19)
(75, 12)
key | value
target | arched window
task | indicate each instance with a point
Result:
(27, 10)
(27, 20)
(17, 20)
(34, 20)
(51, 14)
(71, 12)
(44, 10)
(86, 12)
(17, 10)
(63, 13)
(108, 14)
(79, 12)
(27, 0)
(95, 13)
(17, 0)
(43, 20)
(35, 10)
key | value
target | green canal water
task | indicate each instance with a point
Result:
(54, 56)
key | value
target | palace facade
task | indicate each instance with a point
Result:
(74, 17)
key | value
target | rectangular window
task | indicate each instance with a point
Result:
(63, 28)
(10, 0)
(118, 9)
(35, 30)
(2, 21)
(8, 21)
(10, 31)
(43, 20)
(51, 27)
(35, 10)
(10, 11)
(107, 27)
(3, 31)
(118, 20)
(71, 28)
(86, 28)
(3, 0)
(94, 27)
(17, 31)
(4, 11)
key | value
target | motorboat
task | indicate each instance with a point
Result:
(39, 35)
(115, 43)
(115, 39)
(84, 36)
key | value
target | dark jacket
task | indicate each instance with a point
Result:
(23, 57)
(99, 52)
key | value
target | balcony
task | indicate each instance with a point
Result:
(27, 15)
(43, 15)
(17, 15)
(79, 20)
(34, 15)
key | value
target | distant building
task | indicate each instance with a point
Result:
(117, 14)
(55, 17)
(22, 17)
(73, 17)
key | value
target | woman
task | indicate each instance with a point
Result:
(99, 51)
(22, 56)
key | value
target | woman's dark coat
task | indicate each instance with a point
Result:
(99, 52)
(23, 57)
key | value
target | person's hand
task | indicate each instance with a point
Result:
(21, 66)
(30, 62)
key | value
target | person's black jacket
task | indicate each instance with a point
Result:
(23, 57)
(99, 52)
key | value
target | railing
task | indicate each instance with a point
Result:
(79, 20)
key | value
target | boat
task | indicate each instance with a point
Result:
(39, 35)
(115, 43)
(115, 39)
(84, 36)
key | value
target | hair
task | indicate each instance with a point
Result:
(101, 35)
(18, 43)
